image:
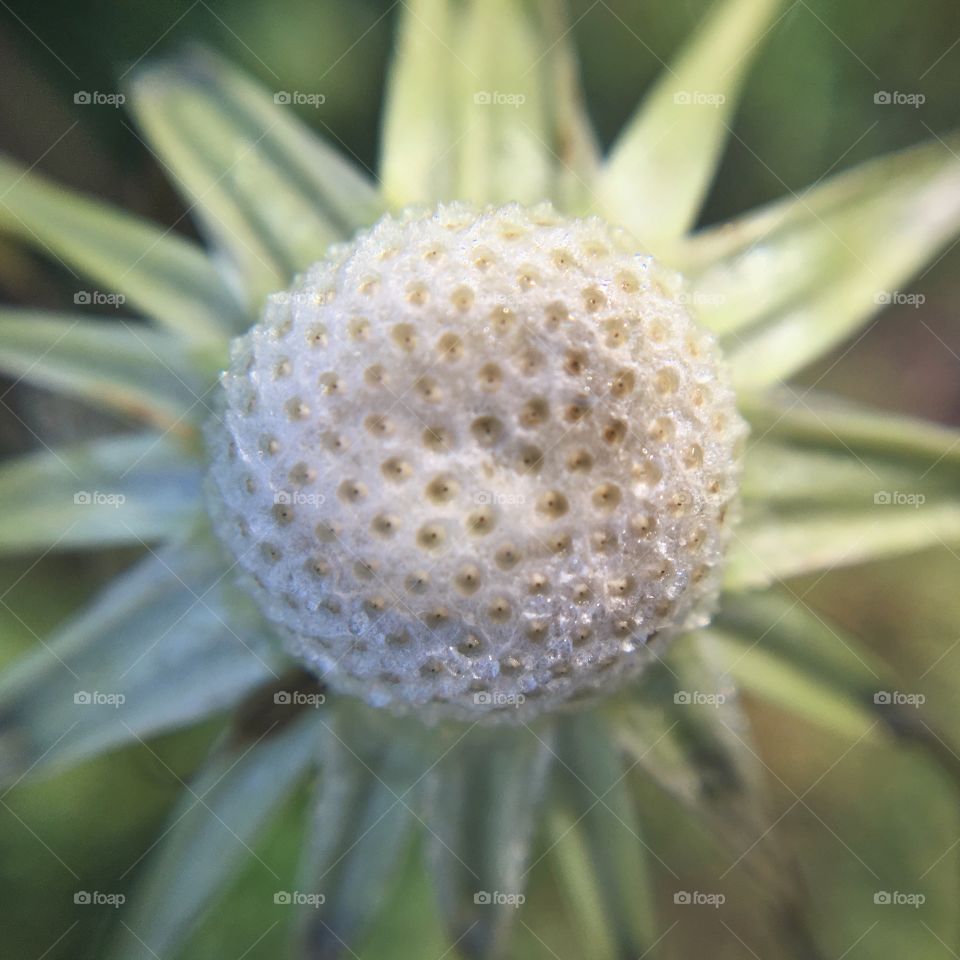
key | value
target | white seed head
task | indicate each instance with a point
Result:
(476, 462)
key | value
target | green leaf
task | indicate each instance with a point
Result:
(212, 833)
(827, 484)
(505, 124)
(663, 162)
(267, 191)
(134, 489)
(610, 858)
(114, 364)
(786, 284)
(159, 272)
(167, 643)
(362, 831)
(482, 808)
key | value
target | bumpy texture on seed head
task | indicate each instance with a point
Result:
(476, 459)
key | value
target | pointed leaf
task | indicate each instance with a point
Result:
(159, 272)
(167, 643)
(661, 166)
(597, 794)
(212, 833)
(507, 122)
(123, 490)
(113, 364)
(785, 285)
(266, 190)
(482, 810)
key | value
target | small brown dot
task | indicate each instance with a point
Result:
(467, 579)
(318, 567)
(623, 383)
(405, 336)
(490, 376)
(351, 491)
(499, 610)
(484, 259)
(450, 347)
(507, 557)
(537, 631)
(643, 524)
(428, 389)
(435, 619)
(417, 294)
(559, 542)
(431, 536)
(575, 362)
(562, 259)
(481, 521)
(661, 430)
(283, 369)
(326, 532)
(603, 541)
(442, 488)
(581, 592)
(316, 335)
(576, 411)
(330, 383)
(615, 333)
(471, 645)
(527, 279)
(614, 432)
(283, 513)
(396, 469)
(556, 314)
(531, 459)
(553, 504)
(538, 584)
(679, 503)
(417, 582)
(301, 474)
(581, 634)
(376, 376)
(359, 329)
(534, 412)
(593, 299)
(606, 497)
(364, 570)
(297, 409)
(462, 298)
(250, 485)
(502, 319)
(529, 362)
(580, 461)
(385, 525)
(379, 424)
(433, 255)
(486, 430)
(621, 586)
(375, 605)
(438, 439)
(270, 552)
(628, 282)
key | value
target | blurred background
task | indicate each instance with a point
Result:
(809, 111)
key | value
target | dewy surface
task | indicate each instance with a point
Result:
(478, 459)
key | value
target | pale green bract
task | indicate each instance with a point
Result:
(575, 803)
